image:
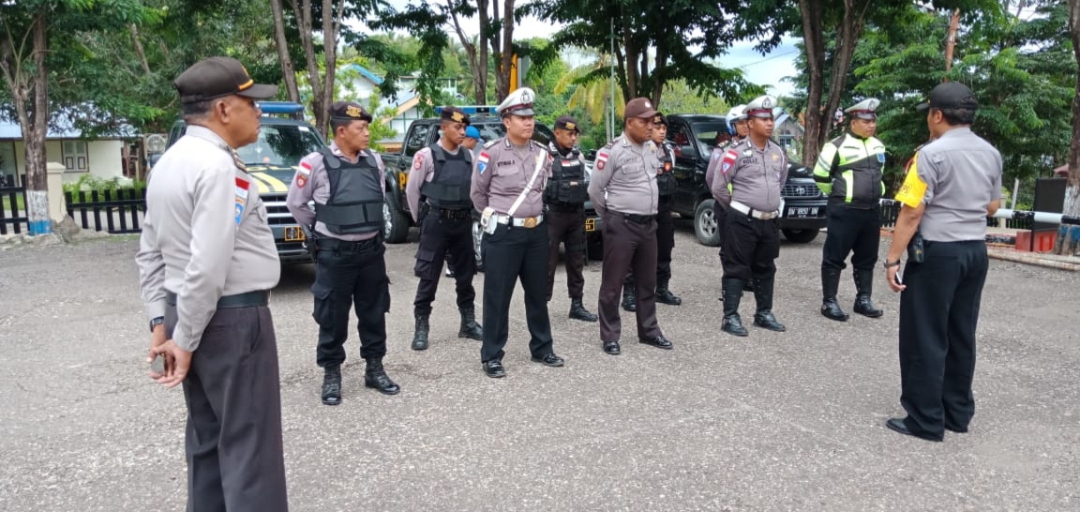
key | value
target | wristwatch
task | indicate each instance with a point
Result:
(893, 264)
(156, 322)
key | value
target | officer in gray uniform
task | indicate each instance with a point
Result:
(207, 262)
(756, 169)
(438, 195)
(564, 197)
(665, 225)
(736, 117)
(507, 188)
(345, 180)
(953, 185)
(625, 194)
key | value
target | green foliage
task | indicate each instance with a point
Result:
(89, 183)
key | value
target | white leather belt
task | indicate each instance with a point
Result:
(518, 222)
(757, 214)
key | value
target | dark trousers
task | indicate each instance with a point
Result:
(751, 246)
(350, 274)
(939, 311)
(512, 254)
(719, 214)
(233, 394)
(628, 245)
(567, 227)
(851, 229)
(665, 243)
(439, 237)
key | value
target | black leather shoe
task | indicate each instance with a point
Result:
(494, 369)
(659, 342)
(375, 377)
(551, 360)
(897, 425)
(664, 296)
(766, 320)
(578, 312)
(420, 333)
(612, 347)
(331, 386)
(733, 325)
(629, 302)
(953, 428)
(831, 309)
(865, 307)
(469, 328)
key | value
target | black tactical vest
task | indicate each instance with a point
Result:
(567, 182)
(356, 196)
(665, 177)
(449, 188)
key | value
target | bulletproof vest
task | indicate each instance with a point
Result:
(665, 177)
(356, 196)
(449, 188)
(567, 182)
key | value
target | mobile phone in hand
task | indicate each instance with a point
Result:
(158, 365)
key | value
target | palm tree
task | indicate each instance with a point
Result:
(592, 89)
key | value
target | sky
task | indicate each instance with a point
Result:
(767, 70)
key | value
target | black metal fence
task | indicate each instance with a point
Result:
(12, 212)
(890, 210)
(115, 211)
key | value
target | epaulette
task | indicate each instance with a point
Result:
(490, 143)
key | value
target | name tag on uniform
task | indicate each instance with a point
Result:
(241, 198)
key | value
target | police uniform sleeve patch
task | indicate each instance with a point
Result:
(303, 173)
(418, 161)
(482, 162)
(728, 162)
(601, 160)
(242, 187)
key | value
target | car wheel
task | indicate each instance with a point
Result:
(477, 236)
(800, 236)
(705, 225)
(395, 224)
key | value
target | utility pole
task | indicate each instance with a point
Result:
(611, 113)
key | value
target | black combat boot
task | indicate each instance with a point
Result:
(419, 341)
(578, 311)
(375, 377)
(663, 294)
(469, 328)
(331, 385)
(732, 294)
(864, 284)
(629, 298)
(763, 294)
(830, 282)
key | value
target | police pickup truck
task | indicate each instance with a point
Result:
(423, 133)
(693, 137)
(284, 138)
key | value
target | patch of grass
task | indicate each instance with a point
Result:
(19, 202)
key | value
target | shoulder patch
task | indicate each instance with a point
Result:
(482, 161)
(729, 161)
(418, 161)
(602, 158)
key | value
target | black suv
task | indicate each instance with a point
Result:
(694, 137)
(423, 133)
(284, 139)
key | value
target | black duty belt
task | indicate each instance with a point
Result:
(639, 219)
(456, 214)
(566, 207)
(330, 243)
(240, 300)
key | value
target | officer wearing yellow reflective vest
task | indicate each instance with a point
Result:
(849, 171)
(345, 181)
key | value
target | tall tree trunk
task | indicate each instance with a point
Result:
(288, 70)
(507, 59)
(1068, 240)
(302, 11)
(485, 34)
(813, 40)
(37, 184)
(631, 66)
(470, 52)
(330, 31)
(495, 40)
(139, 52)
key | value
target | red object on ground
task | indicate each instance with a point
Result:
(1044, 241)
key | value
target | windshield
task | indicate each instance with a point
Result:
(492, 131)
(707, 132)
(280, 145)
